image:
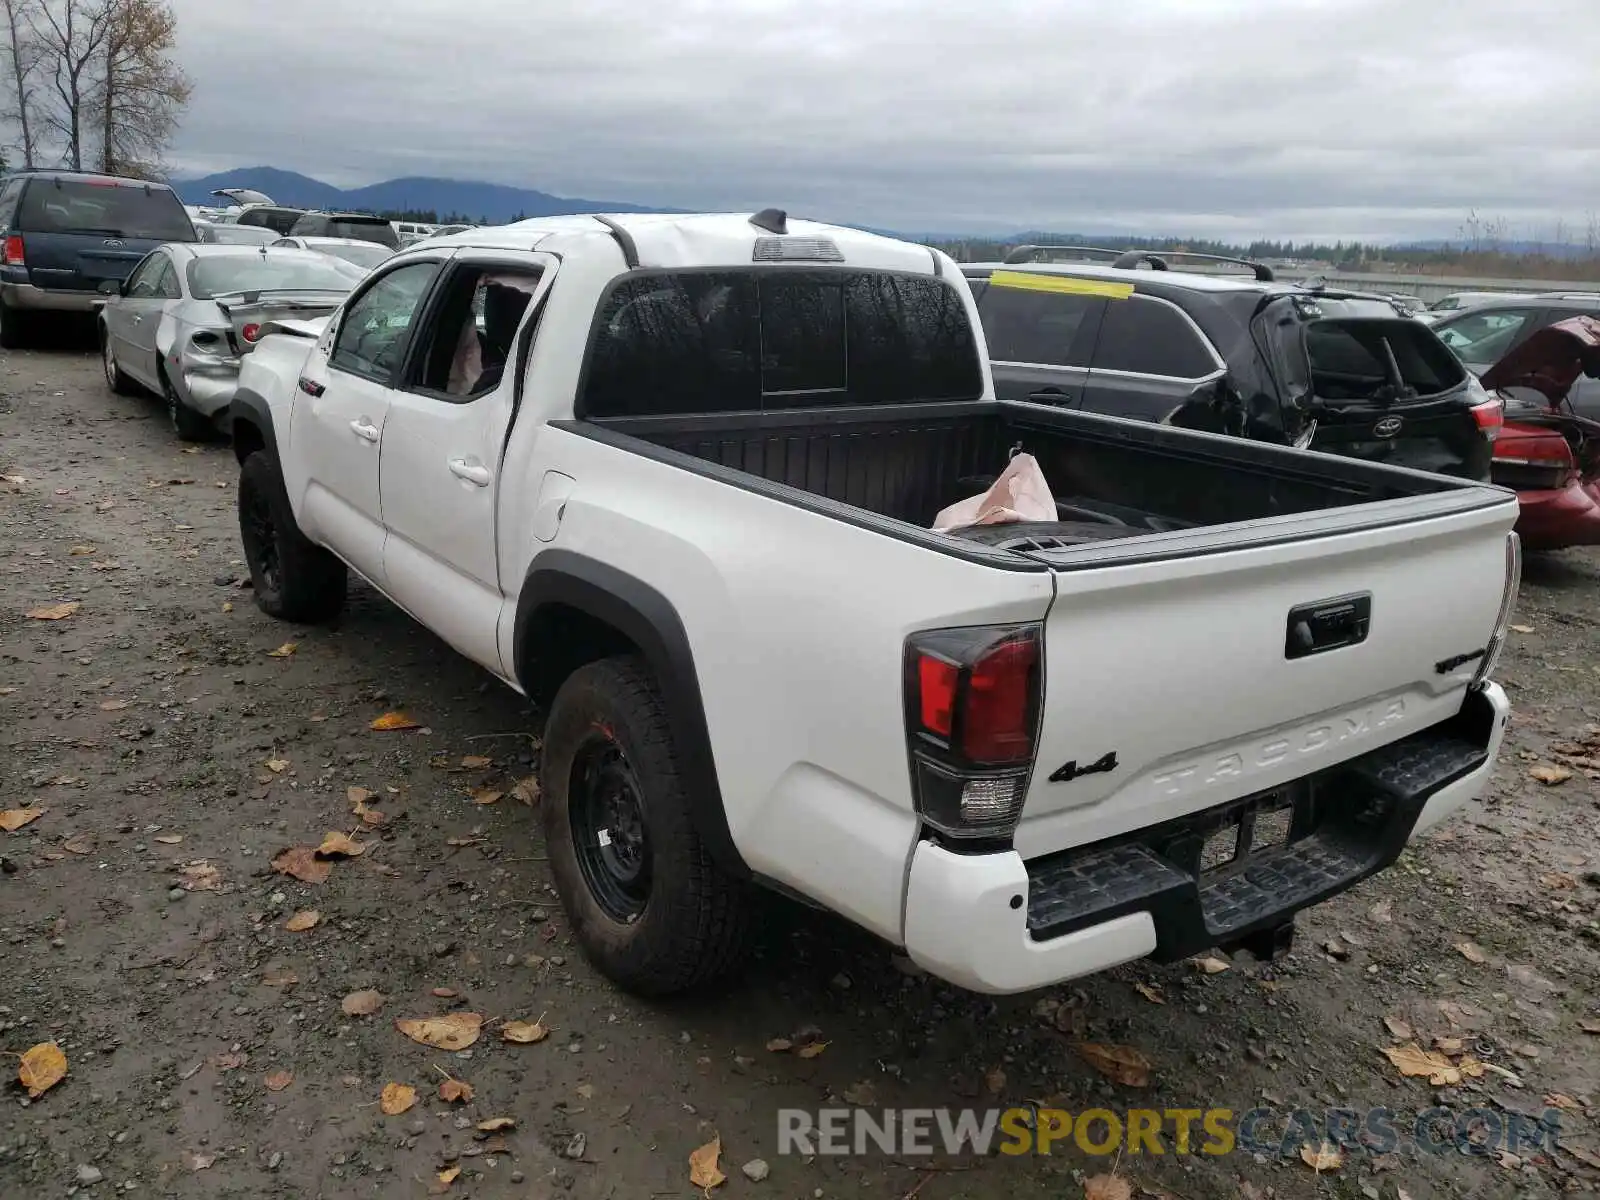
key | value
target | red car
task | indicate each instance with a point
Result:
(1545, 452)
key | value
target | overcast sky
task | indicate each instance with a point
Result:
(1307, 118)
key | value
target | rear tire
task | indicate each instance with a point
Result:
(13, 328)
(294, 578)
(189, 425)
(119, 383)
(649, 907)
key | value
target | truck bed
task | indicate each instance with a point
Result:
(906, 463)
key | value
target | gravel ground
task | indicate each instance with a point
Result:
(143, 926)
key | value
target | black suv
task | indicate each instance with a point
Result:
(1485, 333)
(64, 233)
(1245, 355)
(359, 227)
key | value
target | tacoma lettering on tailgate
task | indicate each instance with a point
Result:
(1304, 743)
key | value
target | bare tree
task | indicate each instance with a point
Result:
(72, 37)
(141, 91)
(24, 65)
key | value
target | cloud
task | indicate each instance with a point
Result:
(1366, 118)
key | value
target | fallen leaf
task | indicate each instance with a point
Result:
(277, 765)
(339, 845)
(1150, 992)
(465, 841)
(448, 1175)
(230, 1060)
(812, 1049)
(1210, 964)
(13, 819)
(362, 1004)
(526, 791)
(396, 1099)
(444, 993)
(1107, 1187)
(1382, 912)
(200, 877)
(497, 1124)
(303, 920)
(358, 795)
(392, 721)
(780, 1045)
(54, 612)
(1550, 775)
(227, 606)
(302, 862)
(1448, 1045)
(453, 1031)
(1472, 952)
(42, 1068)
(1558, 881)
(995, 1080)
(1399, 1029)
(455, 1091)
(1325, 1157)
(284, 651)
(1562, 1100)
(487, 796)
(1412, 1060)
(1586, 1157)
(199, 1162)
(1522, 628)
(283, 979)
(371, 817)
(1589, 1025)
(1122, 1064)
(169, 839)
(115, 705)
(703, 1170)
(524, 1032)
(83, 551)
(279, 1080)
(78, 845)
(476, 762)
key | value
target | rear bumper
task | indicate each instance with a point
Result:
(1552, 518)
(995, 923)
(28, 298)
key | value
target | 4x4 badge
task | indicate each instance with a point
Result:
(1388, 427)
(1070, 771)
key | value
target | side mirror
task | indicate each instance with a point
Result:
(110, 287)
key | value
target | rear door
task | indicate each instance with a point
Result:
(79, 233)
(1149, 357)
(1182, 683)
(1041, 330)
(341, 408)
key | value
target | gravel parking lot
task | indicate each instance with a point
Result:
(179, 741)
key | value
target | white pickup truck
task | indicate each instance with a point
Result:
(673, 478)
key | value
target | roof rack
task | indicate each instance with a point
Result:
(1263, 273)
(1022, 254)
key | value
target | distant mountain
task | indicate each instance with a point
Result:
(490, 201)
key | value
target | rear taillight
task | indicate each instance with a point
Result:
(251, 332)
(1531, 458)
(1490, 418)
(11, 252)
(972, 707)
(1508, 602)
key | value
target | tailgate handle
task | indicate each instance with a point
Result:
(1327, 625)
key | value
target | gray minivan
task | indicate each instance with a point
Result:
(64, 233)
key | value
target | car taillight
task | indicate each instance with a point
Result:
(1532, 458)
(1508, 602)
(1490, 418)
(972, 707)
(251, 332)
(11, 253)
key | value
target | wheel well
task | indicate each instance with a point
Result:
(247, 439)
(557, 640)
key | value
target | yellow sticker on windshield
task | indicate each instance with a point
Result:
(1028, 281)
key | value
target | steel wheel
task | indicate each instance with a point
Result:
(608, 830)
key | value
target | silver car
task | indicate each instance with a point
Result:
(365, 255)
(182, 321)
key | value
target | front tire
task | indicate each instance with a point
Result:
(294, 578)
(649, 907)
(189, 425)
(119, 383)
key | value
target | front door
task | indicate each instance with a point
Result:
(132, 319)
(340, 411)
(447, 425)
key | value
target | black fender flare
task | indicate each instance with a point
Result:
(649, 620)
(250, 409)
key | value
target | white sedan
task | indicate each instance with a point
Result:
(180, 324)
(365, 255)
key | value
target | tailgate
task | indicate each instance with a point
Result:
(1176, 685)
(81, 262)
(241, 311)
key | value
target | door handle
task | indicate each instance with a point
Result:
(472, 472)
(1047, 396)
(364, 429)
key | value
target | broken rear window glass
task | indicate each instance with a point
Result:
(1380, 360)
